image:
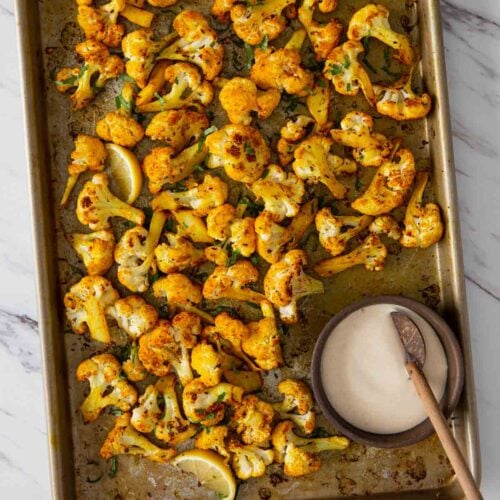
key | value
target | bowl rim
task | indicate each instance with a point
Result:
(449, 400)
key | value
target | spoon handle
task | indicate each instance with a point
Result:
(450, 446)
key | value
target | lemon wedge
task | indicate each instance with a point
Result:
(125, 174)
(210, 470)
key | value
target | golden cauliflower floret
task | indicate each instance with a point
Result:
(178, 290)
(133, 315)
(253, 419)
(371, 253)
(89, 154)
(96, 205)
(177, 127)
(97, 24)
(177, 255)
(206, 361)
(389, 186)
(370, 149)
(107, 387)
(294, 130)
(323, 37)
(318, 102)
(373, 21)
(125, 440)
(132, 365)
(333, 234)
(423, 223)
(219, 222)
(197, 43)
(95, 250)
(119, 126)
(258, 19)
(240, 97)
(213, 438)
(281, 191)
(386, 224)
(249, 460)
(98, 67)
(86, 303)
(232, 283)
(243, 238)
(162, 3)
(191, 226)
(286, 283)
(147, 413)
(346, 73)
(240, 149)
(201, 198)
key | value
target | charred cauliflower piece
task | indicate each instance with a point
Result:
(253, 419)
(132, 366)
(297, 405)
(98, 67)
(125, 440)
(119, 126)
(86, 303)
(197, 44)
(206, 362)
(332, 234)
(299, 455)
(89, 154)
(96, 205)
(386, 224)
(323, 37)
(318, 102)
(249, 460)
(95, 250)
(371, 253)
(240, 149)
(133, 315)
(106, 386)
(240, 97)
(177, 127)
(191, 226)
(294, 130)
(178, 254)
(346, 73)
(369, 149)
(213, 438)
(147, 413)
(373, 21)
(388, 188)
(423, 224)
(286, 283)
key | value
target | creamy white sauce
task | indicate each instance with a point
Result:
(364, 375)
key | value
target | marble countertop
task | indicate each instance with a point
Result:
(472, 40)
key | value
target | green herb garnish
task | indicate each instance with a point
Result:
(205, 134)
(114, 467)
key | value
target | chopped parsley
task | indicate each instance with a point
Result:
(121, 102)
(335, 69)
(248, 56)
(249, 151)
(114, 467)
(264, 44)
(205, 134)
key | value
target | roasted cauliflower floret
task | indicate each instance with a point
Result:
(249, 460)
(281, 191)
(213, 438)
(286, 283)
(370, 149)
(297, 405)
(201, 198)
(240, 149)
(299, 455)
(386, 224)
(86, 303)
(318, 102)
(389, 186)
(89, 154)
(96, 205)
(423, 224)
(98, 67)
(134, 253)
(147, 413)
(197, 43)
(258, 19)
(207, 405)
(346, 73)
(133, 315)
(240, 97)
(186, 90)
(232, 283)
(323, 37)
(294, 130)
(95, 250)
(106, 386)
(314, 163)
(206, 361)
(219, 221)
(125, 440)
(177, 255)
(162, 165)
(169, 345)
(253, 418)
(371, 253)
(119, 126)
(373, 21)
(177, 127)
(155, 84)
(191, 226)
(132, 365)
(331, 228)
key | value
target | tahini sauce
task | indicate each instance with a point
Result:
(363, 370)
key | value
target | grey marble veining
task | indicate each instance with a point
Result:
(472, 40)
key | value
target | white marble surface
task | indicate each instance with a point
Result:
(472, 39)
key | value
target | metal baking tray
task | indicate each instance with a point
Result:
(47, 34)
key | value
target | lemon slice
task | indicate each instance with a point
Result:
(125, 174)
(210, 470)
